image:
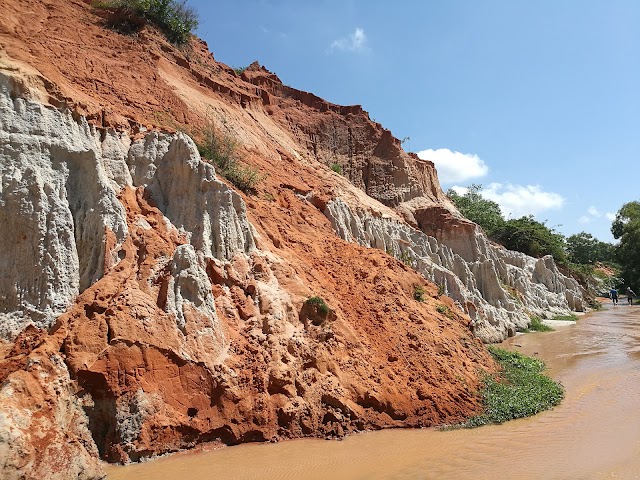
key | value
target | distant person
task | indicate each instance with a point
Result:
(613, 293)
(630, 295)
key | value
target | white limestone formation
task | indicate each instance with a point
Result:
(190, 301)
(59, 184)
(187, 191)
(56, 205)
(499, 289)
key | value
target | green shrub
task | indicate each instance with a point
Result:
(244, 177)
(443, 309)
(418, 293)
(239, 70)
(440, 289)
(537, 325)
(534, 238)
(336, 167)
(520, 390)
(584, 249)
(320, 304)
(316, 311)
(407, 259)
(478, 209)
(173, 17)
(524, 234)
(594, 304)
(222, 151)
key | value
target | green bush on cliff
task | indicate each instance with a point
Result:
(316, 311)
(520, 390)
(478, 209)
(222, 151)
(336, 167)
(319, 304)
(407, 258)
(173, 17)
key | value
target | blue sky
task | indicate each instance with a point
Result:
(538, 101)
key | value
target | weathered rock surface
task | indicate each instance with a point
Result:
(43, 428)
(187, 192)
(60, 181)
(498, 289)
(160, 308)
(185, 332)
(56, 206)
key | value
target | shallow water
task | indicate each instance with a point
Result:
(594, 433)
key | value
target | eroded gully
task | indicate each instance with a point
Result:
(594, 433)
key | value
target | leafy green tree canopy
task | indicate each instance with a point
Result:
(626, 229)
(583, 248)
(527, 235)
(523, 234)
(473, 206)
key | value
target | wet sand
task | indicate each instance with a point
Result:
(594, 433)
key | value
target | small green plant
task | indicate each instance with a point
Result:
(407, 258)
(244, 177)
(336, 167)
(320, 304)
(268, 196)
(520, 390)
(418, 292)
(174, 18)
(537, 325)
(239, 70)
(443, 309)
(222, 151)
(316, 311)
(440, 289)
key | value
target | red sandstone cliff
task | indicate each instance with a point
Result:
(116, 375)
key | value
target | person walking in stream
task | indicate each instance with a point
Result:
(630, 295)
(613, 293)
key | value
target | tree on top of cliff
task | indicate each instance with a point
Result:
(584, 249)
(626, 228)
(524, 234)
(174, 18)
(527, 235)
(478, 209)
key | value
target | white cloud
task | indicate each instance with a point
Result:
(518, 200)
(354, 42)
(455, 166)
(593, 214)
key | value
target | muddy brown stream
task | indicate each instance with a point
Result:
(594, 433)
